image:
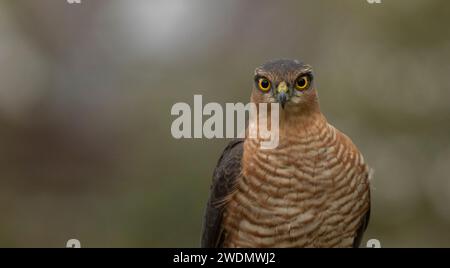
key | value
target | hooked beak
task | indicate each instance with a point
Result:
(282, 95)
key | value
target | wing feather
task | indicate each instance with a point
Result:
(225, 176)
(362, 228)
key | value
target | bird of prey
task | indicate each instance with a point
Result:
(312, 190)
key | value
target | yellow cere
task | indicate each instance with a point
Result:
(282, 87)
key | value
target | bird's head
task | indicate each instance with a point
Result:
(287, 82)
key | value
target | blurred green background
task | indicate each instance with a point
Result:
(86, 91)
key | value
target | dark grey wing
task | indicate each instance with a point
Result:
(225, 174)
(362, 228)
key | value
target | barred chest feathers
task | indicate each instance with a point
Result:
(310, 191)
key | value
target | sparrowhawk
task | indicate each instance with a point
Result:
(312, 190)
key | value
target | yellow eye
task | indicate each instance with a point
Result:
(264, 84)
(302, 83)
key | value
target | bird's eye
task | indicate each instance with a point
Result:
(302, 83)
(264, 84)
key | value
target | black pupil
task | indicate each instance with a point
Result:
(301, 82)
(265, 83)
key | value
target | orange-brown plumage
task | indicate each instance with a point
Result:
(312, 190)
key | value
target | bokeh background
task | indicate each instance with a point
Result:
(86, 91)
